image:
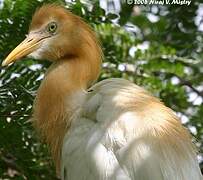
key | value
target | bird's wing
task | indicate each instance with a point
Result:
(124, 133)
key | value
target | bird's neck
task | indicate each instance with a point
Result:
(54, 104)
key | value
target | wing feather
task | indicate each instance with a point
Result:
(124, 133)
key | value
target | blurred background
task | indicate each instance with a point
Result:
(159, 47)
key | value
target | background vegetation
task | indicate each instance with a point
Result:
(157, 47)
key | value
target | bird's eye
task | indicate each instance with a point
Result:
(52, 27)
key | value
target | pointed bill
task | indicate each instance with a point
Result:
(30, 44)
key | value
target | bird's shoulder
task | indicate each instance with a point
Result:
(118, 93)
(121, 102)
(112, 98)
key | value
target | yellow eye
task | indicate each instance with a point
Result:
(52, 27)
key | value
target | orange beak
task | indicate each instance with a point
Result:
(30, 44)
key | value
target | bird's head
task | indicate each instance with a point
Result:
(55, 34)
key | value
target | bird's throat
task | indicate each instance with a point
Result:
(53, 105)
(49, 109)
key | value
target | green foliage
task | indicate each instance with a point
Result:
(170, 67)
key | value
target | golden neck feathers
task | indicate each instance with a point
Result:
(76, 65)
